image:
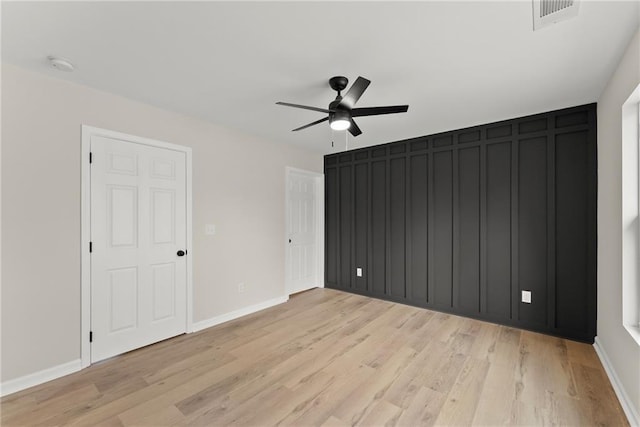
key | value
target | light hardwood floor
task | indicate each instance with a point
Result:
(332, 358)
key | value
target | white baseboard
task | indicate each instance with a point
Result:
(207, 323)
(296, 291)
(627, 405)
(21, 383)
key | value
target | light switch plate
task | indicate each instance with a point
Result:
(210, 229)
(526, 297)
(359, 272)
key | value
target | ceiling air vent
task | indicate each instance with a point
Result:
(547, 12)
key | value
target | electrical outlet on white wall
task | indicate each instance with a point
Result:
(241, 288)
(526, 297)
(210, 229)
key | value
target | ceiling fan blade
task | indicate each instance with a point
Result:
(376, 111)
(354, 93)
(311, 124)
(354, 129)
(305, 107)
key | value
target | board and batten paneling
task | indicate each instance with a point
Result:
(463, 221)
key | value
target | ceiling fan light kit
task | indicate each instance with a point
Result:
(341, 111)
(340, 120)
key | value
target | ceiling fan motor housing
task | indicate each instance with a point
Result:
(335, 105)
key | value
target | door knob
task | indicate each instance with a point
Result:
(181, 253)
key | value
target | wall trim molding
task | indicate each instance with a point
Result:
(625, 401)
(213, 321)
(40, 377)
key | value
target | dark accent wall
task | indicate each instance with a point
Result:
(463, 221)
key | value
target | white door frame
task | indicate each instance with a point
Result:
(85, 233)
(319, 180)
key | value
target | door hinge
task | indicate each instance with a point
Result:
(90, 247)
(90, 336)
(90, 157)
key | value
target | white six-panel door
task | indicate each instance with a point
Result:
(138, 225)
(303, 266)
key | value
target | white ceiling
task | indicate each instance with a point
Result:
(456, 64)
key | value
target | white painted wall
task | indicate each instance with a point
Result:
(622, 350)
(239, 185)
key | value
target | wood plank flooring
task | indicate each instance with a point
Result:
(329, 358)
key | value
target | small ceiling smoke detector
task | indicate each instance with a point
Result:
(60, 63)
(547, 12)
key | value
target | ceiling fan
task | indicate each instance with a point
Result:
(341, 111)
